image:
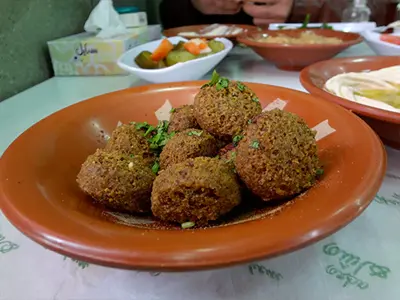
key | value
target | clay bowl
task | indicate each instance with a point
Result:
(40, 197)
(196, 28)
(296, 57)
(385, 123)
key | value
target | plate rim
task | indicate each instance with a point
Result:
(24, 225)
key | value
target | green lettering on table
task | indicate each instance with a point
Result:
(261, 270)
(387, 201)
(6, 246)
(353, 263)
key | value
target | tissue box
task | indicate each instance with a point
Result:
(84, 54)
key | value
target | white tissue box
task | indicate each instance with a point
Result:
(84, 54)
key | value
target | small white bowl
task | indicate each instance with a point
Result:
(372, 38)
(190, 70)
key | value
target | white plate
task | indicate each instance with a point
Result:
(347, 27)
(190, 70)
(372, 38)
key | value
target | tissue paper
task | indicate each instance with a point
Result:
(104, 21)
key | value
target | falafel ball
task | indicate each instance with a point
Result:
(130, 141)
(117, 181)
(226, 111)
(197, 190)
(278, 156)
(189, 143)
(182, 118)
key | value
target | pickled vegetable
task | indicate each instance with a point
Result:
(145, 61)
(216, 46)
(180, 46)
(178, 56)
(162, 50)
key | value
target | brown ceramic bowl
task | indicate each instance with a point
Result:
(39, 194)
(196, 28)
(385, 123)
(296, 57)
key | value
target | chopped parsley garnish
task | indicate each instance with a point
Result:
(157, 136)
(240, 86)
(172, 110)
(326, 26)
(255, 99)
(233, 156)
(306, 21)
(255, 144)
(219, 82)
(222, 83)
(187, 225)
(197, 133)
(141, 125)
(236, 139)
(156, 167)
(250, 121)
(131, 155)
(320, 172)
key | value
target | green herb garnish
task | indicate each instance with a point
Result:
(187, 225)
(326, 26)
(222, 83)
(172, 110)
(236, 139)
(156, 167)
(281, 26)
(305, 22)
(197, 133)
(320, 172)
(233, 156)
(240, 86)
(255, 144)
(250, 121)
(255, 99)
(131, 155)
(139, 126)
(156, 136)
(219, 82)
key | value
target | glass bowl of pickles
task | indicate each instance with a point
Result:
(175, 59)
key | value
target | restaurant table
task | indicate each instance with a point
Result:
(361, 261)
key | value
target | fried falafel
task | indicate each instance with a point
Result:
(278, 156)
(128, 140)
(117, 181)
(189, 143)
(182, 118)
(197, 190)
(225, 111)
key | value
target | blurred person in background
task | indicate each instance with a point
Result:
(175, 13)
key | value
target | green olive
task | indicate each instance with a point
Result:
(216, 46)
(177, 56)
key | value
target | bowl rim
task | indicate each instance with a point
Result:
(50, 237)
(246, 27)
(136, 69)
(246, 39)
(361, 109)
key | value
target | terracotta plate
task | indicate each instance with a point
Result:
(385, 123)
(40, 197)
(196, 28)
(296, 57)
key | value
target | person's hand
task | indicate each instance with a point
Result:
(218, 7)
(265, 12)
